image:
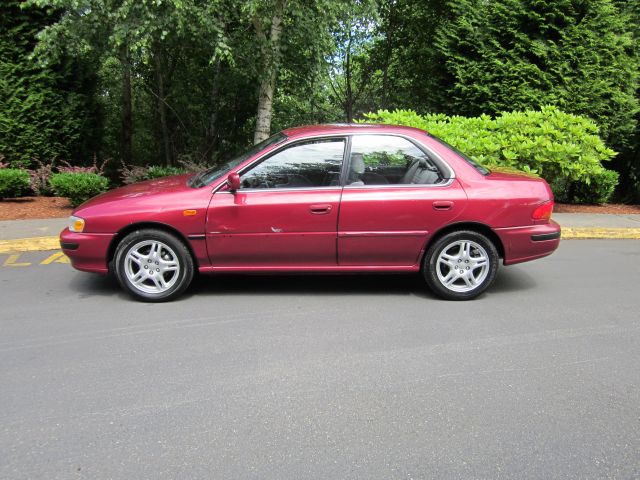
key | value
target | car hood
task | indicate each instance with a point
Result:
(165, 185)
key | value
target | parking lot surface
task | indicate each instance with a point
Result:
(324, 377)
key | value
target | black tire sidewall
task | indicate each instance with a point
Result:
(183, 256)
(433, 252)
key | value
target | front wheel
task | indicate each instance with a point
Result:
(460, 265)
(153, 265)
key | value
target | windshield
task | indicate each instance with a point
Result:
(469, 160)
(214, 173)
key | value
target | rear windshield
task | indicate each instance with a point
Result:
(469, 160)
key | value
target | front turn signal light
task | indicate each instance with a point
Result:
(76, 224)
(543, 212)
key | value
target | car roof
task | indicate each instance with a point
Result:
(347, 128)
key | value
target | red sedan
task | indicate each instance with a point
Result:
(329, 198)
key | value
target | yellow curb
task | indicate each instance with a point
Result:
(34, 244)
(569, 233)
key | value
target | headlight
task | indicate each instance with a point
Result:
(76, 224)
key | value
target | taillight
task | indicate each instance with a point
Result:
(543, 212)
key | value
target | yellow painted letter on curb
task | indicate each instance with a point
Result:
(57, 257)
(12, 261)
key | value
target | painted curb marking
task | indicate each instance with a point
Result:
(34, 244)
(570, 233)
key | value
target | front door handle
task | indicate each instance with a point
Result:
(442, 205)
(322, 209)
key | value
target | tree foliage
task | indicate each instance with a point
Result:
(501, 55)
(161, 82)
(45, 111)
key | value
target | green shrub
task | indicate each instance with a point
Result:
(159, 172)
(14, 182)
(562, 148)
(78, 187)
(136, 173)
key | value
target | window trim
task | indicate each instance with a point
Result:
(346, 164)
(440, 163)
(293, 143)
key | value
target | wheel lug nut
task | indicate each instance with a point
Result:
(157, 269)
(467, 268)
(157, 263)
(146, 267)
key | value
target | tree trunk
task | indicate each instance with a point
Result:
(348, 101)
(162, 110)
(127, 110)
(212, 129)
(271, 58)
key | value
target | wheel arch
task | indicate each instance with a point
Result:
(473, 226)
(154, 225)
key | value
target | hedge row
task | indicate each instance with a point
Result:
(562, 148)
(76, 183)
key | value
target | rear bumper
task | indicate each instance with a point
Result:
(87, 251)
(522, 244)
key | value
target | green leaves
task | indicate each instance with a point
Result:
(562, 148)
(13, 182)
(78, 187)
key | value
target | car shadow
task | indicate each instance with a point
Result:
(89, 285)
(329, 285)
(508, 280)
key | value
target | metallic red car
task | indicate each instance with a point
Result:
(328, 198)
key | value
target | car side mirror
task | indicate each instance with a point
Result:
(233, 180)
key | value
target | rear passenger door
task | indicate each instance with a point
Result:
(396, 194)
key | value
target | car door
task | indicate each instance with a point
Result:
(285, 213)
(396, 195)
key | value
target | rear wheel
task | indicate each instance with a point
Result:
(153, 265)
(460, 265)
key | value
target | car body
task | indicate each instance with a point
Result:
(326, 198)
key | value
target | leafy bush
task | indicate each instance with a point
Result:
(135, 173)
(40, 179)
(14, 182)
(78, 187)
(562, 148)
(159, 172)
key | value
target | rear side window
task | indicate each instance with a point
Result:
(389, 160)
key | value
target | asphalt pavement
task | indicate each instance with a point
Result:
(324, 377)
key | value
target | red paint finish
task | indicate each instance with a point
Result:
(273, 228)
(336, 228)
(389, 225)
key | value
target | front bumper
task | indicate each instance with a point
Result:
(522, 244)
(87, 251)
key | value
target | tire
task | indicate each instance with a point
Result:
(469, 252)
(153, 265)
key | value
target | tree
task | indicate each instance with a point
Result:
(354, 78)
(45, 110)
(518, 54)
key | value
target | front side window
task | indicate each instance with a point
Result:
(390, 160)
(315, 163)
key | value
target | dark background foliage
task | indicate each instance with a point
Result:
(153, 83)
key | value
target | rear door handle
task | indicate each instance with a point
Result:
(322, 209)
(442, 205)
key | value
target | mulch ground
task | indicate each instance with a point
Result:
(52, 207)
(615, 208)
(34, 207)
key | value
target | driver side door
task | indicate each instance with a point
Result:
(285, 215)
